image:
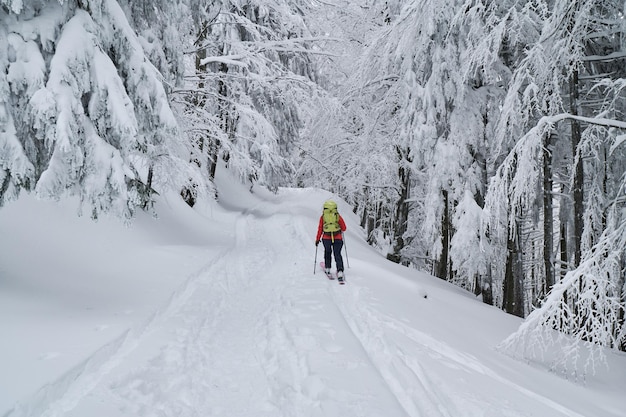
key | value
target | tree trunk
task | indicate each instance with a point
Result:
(199, 99)
(189, 192)
(5, 185)
(402, 213)
(514, 277)
(367, 218)
(563, 244)
(442, 266)
(484, 285)
(215, 146)
(364, 212)
(577, 189)
(149, 190)
(548, 215)
(487, 287)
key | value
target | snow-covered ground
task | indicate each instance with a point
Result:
(217, 312)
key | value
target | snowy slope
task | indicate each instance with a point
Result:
(217, 312)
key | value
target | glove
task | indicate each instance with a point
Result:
(317, 242)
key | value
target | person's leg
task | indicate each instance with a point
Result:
(328, 250)
(337, 246)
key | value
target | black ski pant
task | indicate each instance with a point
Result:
(333, 247)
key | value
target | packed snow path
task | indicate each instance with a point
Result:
(255, 333)
(243, 337)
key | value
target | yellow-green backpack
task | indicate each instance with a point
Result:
(331, 217)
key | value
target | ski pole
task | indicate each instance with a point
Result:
(315, 264)
(345, 247)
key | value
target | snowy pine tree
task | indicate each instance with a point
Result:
(253, 82)
(85, 108)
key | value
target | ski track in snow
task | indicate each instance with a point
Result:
(403, 375)
(419, 386)
(254, 333)
(61, 396)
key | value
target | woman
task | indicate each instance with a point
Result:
(330, 229)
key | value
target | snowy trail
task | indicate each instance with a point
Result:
(254, 333)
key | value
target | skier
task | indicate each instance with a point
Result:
(330, 230)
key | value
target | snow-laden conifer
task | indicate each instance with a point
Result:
(94, 121)
(253, 82)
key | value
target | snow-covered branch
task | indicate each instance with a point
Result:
(226, 59)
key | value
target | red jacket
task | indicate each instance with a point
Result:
(328, 235)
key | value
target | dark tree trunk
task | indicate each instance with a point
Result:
(226, 122)
(402, 211)
(487, 287)
(365, 203)
(367, 219)
(514, 278)
(563, 244)
(564, 254)
(5, 185)
(442, 265)
(484, 285)
(548, 215)
(577, 190)
(149, 191)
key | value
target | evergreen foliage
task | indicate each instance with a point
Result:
(253, 78)
(85, 112)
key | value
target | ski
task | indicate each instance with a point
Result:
(340, 280)
(329, 275)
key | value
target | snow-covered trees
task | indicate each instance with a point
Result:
(253, 81)
(84, 111)
(483, 140)
(578, 49)
(409, 133)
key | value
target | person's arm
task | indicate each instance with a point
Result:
(342, 224)
(320, 228)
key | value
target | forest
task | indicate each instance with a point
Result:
(481, 141)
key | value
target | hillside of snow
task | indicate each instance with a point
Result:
(217, 311)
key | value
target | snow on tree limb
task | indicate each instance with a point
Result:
(228, 60)
(519, 166)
